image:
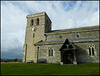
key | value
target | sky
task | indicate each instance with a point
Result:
(63, 14)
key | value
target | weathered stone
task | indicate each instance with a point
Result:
(39, 41)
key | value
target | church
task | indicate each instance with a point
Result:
(67, 46)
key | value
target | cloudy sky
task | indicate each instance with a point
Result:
(64, 14)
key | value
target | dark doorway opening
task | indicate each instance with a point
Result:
(68, 57)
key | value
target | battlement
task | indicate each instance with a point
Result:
(35, 15)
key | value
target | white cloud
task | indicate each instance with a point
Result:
(13, 23)
(63, 14)
(94, 18)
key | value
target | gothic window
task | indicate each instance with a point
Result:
(92, 51)
(37, 21)
(50, 52)
(32, 22)
(89, 51)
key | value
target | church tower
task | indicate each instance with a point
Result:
(37, 25)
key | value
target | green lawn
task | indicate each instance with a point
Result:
(49, 69)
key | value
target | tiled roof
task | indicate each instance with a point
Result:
(72, 39)
(74, 29)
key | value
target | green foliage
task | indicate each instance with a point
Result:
(15, 59)
(49, 69)
(11, 60)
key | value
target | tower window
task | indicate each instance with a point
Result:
(38, 21)
(32, 22)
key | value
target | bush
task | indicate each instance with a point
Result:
(16, 60)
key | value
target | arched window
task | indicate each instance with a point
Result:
(32, 22)
(89, 51)
(92, 51)
(37, 21)
(50, 52)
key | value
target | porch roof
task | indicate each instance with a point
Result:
(67, 45)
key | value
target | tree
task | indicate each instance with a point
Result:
(15, 59)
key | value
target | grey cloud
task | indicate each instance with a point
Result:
(12, 53)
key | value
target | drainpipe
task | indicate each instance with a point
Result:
(25, 51)
(37, 53)
(74, 62)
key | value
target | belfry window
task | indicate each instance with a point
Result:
(37, 21)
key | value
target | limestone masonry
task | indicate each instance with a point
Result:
(68, 46)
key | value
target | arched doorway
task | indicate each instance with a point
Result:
(68, 51)
(68, 57)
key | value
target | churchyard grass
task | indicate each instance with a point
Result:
(49, 69)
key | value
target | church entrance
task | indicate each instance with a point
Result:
(68, 53)
(68, 57)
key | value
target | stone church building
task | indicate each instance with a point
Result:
(67, 46)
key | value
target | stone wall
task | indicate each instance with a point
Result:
(82, 52)
(34, 36)
(43, 32)
(44, 53)
(38, 33)
(73, 34)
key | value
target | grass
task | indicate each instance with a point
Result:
(49, 69)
